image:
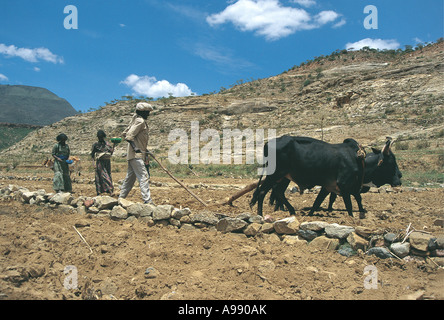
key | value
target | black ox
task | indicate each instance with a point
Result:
(338, 168)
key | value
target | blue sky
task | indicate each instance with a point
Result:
(155, 48)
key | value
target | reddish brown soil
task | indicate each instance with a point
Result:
(40, 242)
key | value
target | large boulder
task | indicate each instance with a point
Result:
(419, 240)
(62, 198)
(286, 226)
(162, 212)
(27, 196)
(380, 252)
(230, 225)
(140, 210)
(335, 230)
(401, 250)
(105, 202)
(324, 243)
(313, 225)
(356, 242)
(118, 213)
(207, 218)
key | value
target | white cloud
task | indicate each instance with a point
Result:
(151, 87)
(30, 55)
(340, 23)
(122, 25)
(305, 3)
(269, 18)
(380, 44)
(326, 17)
(36, 69)
(195, 14)
(417, 40)
(223, 58)
(3, 77)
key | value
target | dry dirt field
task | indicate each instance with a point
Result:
(206, 264)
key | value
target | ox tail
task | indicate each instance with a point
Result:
(254, 199)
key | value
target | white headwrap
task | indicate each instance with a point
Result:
(143, 106)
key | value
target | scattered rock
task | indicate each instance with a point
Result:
(286, 226)
(389, 238)
(252, 229)
(346, 250)
(325, 243)
(151, 273)
(313, 225)
(188, 227)
(335, 230)
(82, 223)
(65, 209)
(256, 219)
(27, 196)
(307, 234)
(244, 216)
(148, 220)
(364, 232)
(81, 210)
(208, 218)
(141, 210)
(36, 271)
(439, 223)
(39, 199)
(162, 212)
(179, 213)
(293, 240)
(267, 227)
(93, 210)
(440, 242)
(88, 203)
(357, 242)
(230, 225)
(174, 222)
(105, 202)
(401, 250)
(380, 252)
(62, 198)
(118, 213)
(185, 219)
(125, 204)
(419, 240)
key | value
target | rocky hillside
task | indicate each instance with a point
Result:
(32, 105)
(11, 133)
(367, 95)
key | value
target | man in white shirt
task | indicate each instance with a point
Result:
(137, 153)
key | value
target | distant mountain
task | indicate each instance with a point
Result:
(32, 105)
(366, 95)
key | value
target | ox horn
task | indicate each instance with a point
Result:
(388, 145)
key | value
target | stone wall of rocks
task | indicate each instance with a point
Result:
(346, 240)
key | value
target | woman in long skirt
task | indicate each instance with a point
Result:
(60, 152)
(101, 154)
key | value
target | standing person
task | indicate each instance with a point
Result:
(60, 153)
(136, 134)
(101, 154)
